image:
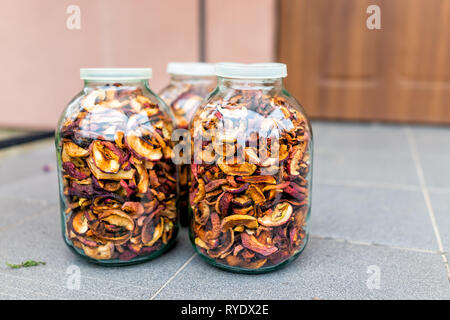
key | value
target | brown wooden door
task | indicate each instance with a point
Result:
(340, 69)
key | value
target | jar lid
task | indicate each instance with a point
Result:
(251, 71)
(115, 73)
(191, 68)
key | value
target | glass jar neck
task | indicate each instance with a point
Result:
(176, 79)
(275, 84)
(141, 83)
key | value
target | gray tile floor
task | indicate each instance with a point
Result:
(380, 229)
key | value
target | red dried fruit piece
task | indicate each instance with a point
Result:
(133, 208)
(129, 191)
(232, 190)
(295, 160)
(223, 203)
(214, 233)
(72, 171)
(213, 185)
(251, 243)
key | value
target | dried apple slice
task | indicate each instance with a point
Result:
(256, 194)
(106, 156)
(260, 179)
(157, 233)
(294, 162)
(143, 178)
(226, 242)
(236, 169)
(237, 220)
(141, 148)
(91, 99)
(100, 175)
(104, 252)
(74, 151)
(280, 215)
(117, 218)
(251, 243)
(79, 223)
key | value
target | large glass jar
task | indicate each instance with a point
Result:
(190, 83)
(118, 185)
(252, 166)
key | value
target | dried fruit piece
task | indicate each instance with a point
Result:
(252, 244)
(119, 192)
(278, 217)
(141, 148)
(237, 169)
(103, 252)
(73, 150)
(100, 175)
(106, 156)
(237, 220)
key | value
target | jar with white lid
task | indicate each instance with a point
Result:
(251, 171)
(190, 83)
(118, 184)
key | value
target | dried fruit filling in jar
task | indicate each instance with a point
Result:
(251, 171)
(190, 83)
(118, 185)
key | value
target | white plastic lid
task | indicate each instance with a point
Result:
(251, 71)
(115, 73)
(191, 68)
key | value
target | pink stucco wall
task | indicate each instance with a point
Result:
(40, 57)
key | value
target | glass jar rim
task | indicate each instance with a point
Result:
(268, 70)
(191, 69)
(115, 73)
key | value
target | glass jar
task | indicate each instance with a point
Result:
(252, 168)
(118, 185)
(190, 83)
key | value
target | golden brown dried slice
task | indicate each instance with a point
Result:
(237, 220)
(279, 216)
(106, 156)
(92, 98)
(256, 194)
(100, 175)
(104, 252)
(143, 178)
(236, 169)
(79, 223)
(260, 179)
(117, 218)
(142, 148)
(73, 150)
